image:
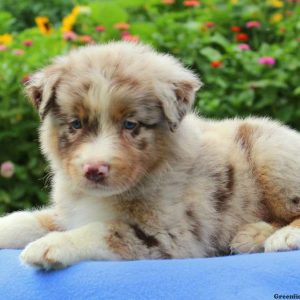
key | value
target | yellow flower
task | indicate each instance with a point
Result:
(6, 38)
(234, 2)
(75, 11)
(68, 23)
(275, 18)
(276, 3)
(43, 25)
(69, 20)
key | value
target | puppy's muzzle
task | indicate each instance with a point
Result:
(96, 172)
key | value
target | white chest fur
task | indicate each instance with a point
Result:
(76, 209)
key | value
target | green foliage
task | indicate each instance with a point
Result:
(238, 85)
(6, 21)
(25, 11)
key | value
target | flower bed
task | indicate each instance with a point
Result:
(246, 52)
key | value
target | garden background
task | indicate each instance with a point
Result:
(246, 52)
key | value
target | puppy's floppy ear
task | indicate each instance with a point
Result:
(41, 90)
(179, 97)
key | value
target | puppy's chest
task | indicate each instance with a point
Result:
(80, 212)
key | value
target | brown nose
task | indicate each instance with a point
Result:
(96, 172)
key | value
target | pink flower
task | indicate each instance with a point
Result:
(3, 48)
(253, 24)
(235, 29)
(100, 28)
(27, 43)
(19, 52)
(243, 47)
(70, 36)
(126, 36)
(267, 60)
(7, 169)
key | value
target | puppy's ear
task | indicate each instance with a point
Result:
(41, 90)
(180, 98)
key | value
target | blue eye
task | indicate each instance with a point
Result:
(76, 124)
(129, 125)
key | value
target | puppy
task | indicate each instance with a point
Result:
(137, 175)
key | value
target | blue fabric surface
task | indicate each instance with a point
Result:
(255, 276)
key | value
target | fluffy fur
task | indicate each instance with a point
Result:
(177, 185)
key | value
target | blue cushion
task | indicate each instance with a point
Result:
(255, 276)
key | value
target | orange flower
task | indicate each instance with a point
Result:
(216, 64)
(191, 3)
(122, 26)
(209, 24)
(87, 39)
(242, 37)
(235, 28)
(43, 25)
(25, 79)
(168, 2)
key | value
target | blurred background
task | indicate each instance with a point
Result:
(246, 52)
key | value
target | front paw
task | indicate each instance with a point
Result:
(251, 237)
(53, 251)
(284, 239)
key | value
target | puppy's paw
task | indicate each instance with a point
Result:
(251, 237)
(54, 251)
(284, 239)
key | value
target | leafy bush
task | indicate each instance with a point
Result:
(25, 11)
(246, 52)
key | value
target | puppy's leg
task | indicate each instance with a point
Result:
(20, 228)
(251, 237)
(284, 239)
(95, 241)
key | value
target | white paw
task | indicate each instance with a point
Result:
(284, 239)
(251, 237)
(53, 251)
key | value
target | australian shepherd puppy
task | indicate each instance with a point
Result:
(137, 175)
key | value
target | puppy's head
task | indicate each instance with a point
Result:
(108, 113)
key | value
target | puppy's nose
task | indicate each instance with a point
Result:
(96, 172)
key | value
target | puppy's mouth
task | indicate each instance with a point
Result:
(102, 188)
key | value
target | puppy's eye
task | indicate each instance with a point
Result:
(129, 125)
(76, 124)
